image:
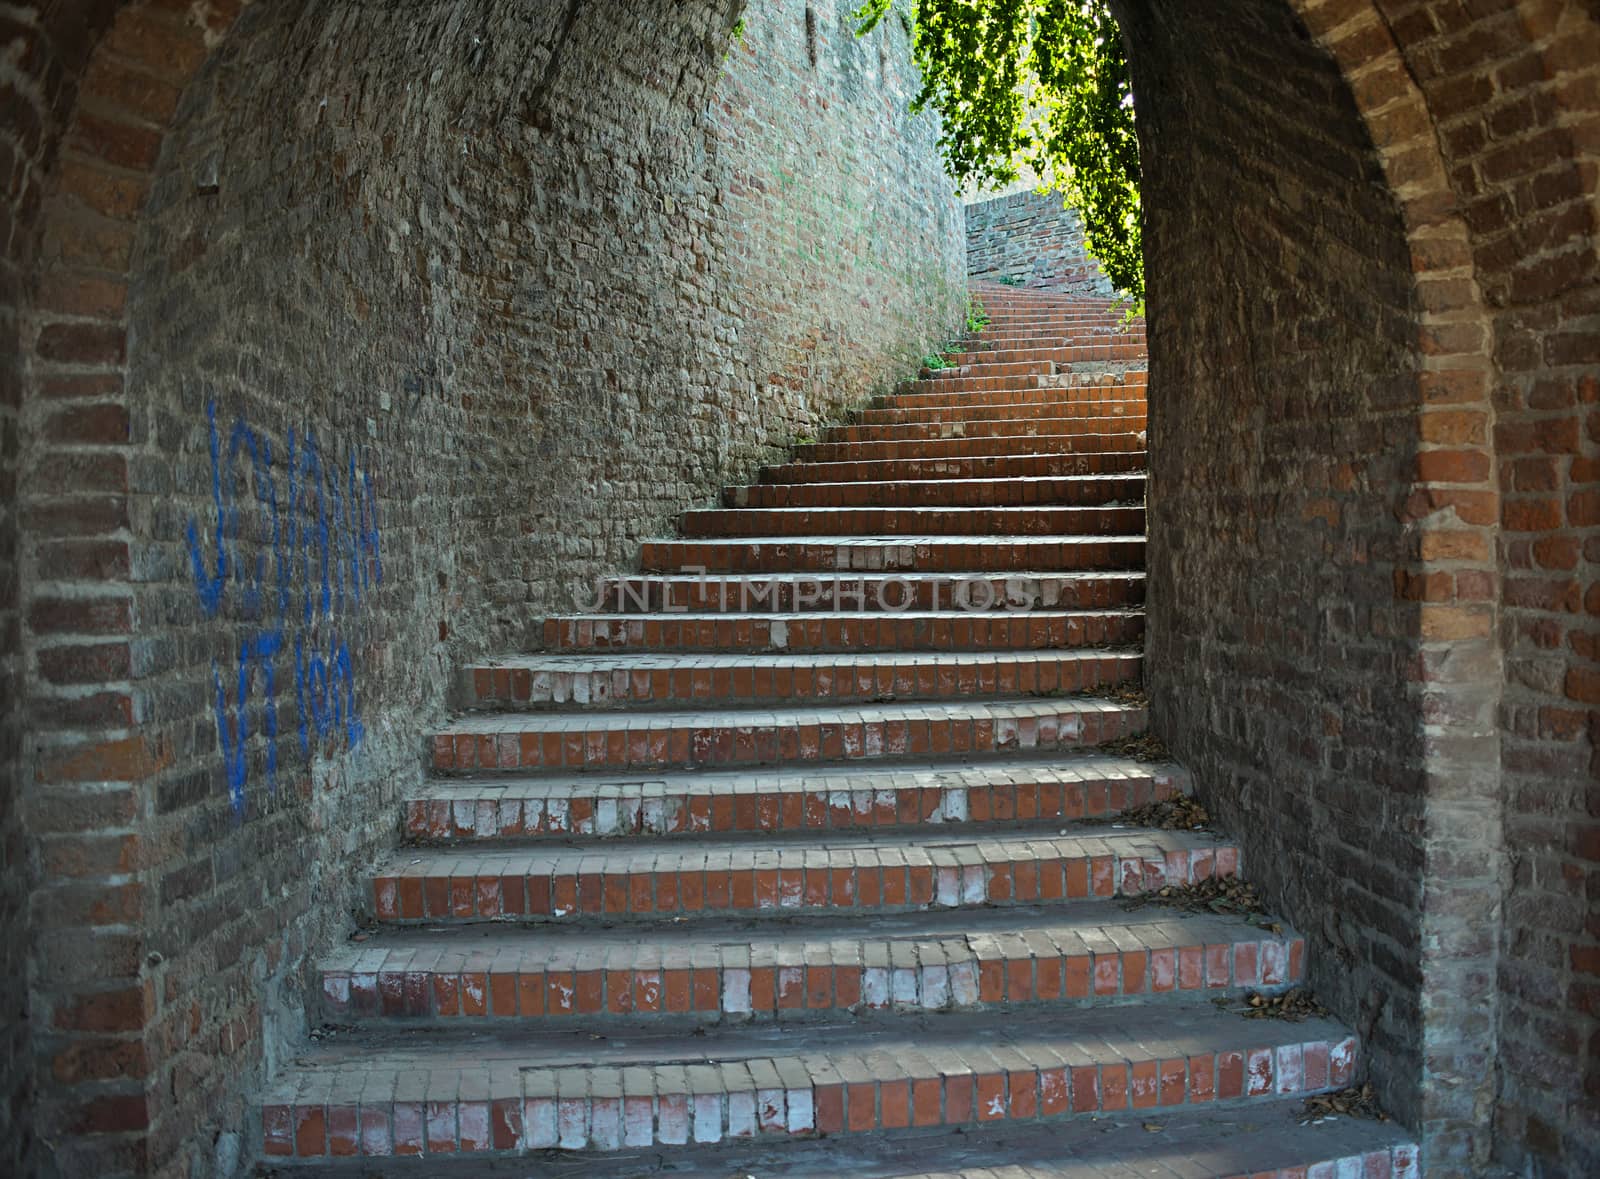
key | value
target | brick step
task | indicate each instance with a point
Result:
(1009, 363)
(866, 554)
(978, 386)
(1024, 520)
(509, 1090)
(673, 679)
(874, 637)
(1260, 1139)
(1026, 425)
(1080, 490)
(985, 447)
(798, 593)
(970, 467)
(826, 798)
(1056, 405)
(1047, 350)
(650, 880)
(1085, 391)
(1093, 953)
(609, 741)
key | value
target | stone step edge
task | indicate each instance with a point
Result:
(449, 810)
(464, 883)
(814, 974)
(781, 1097)
(717, 736)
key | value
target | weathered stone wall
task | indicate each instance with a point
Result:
(1033, 240)
(420, 333)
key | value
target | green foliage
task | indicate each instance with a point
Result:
(1009, 280)
(1041, 84)
(977, 317)
(933, 362)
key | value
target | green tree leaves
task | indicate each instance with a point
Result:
(1037, 84)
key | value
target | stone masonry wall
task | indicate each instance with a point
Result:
(424, 331)
(1033, 240)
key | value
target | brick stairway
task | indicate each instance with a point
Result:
(778, 863)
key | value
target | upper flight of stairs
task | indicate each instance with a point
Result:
(783, 859)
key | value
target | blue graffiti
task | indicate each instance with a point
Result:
(325, 558)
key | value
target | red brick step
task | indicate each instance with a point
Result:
(1027, 520)
(602, 740)
(1091, 953)
(788, 593)
(969, 467)
(880, 629)
(526, 1090)
(929, 493)
(920, 554)
(826, 798)
(876, 871)
(932, 448)
(661, 676)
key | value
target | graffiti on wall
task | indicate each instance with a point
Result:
(293, 551)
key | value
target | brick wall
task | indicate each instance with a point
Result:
(41, 57)
(358, 344)
(1372, 334)
(1280, 418)
(1514, 93)
(1034, 240)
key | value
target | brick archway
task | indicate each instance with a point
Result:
(109, 78)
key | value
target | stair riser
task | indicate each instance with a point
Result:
(1077, 391)
(1018, 521)
(728, 745)
(644, 595)
(844, 452)
(953, 381)
(490, 817)
(539, 990)
(981, 467)
(840, 883)
(719, 687)
(1038, 350)
(941, 493)
(972, 1092)
(959, 417)
(943, 556)
(1029, 425)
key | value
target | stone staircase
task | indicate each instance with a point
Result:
(783, 860)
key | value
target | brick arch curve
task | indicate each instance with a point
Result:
(1323, 576)
(104, 80)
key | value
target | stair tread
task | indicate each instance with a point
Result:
(697, 659)
(1095, 920)
(503, 1059)
(1063, 768)
(900, 540)
(1069, 576)
(767, 715)
(902, 846)
(1200, 1142)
